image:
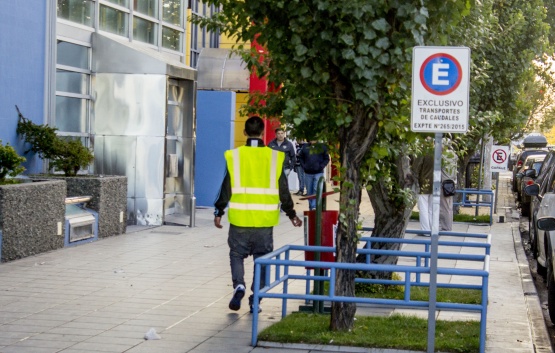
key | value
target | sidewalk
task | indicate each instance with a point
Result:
(105, 296)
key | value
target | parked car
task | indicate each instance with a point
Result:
(519, 163)
(542, 205)
(547, 224)
(527, 176)
(542, 179)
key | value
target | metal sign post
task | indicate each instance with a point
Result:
(434, 243)
(440, 103)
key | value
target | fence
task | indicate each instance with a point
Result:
(466, 202)
(281, 264)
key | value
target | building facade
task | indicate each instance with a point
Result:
(119, 75)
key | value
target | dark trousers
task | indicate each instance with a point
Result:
(245, 241)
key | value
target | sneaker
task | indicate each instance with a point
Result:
(251, 304)
(238, 294)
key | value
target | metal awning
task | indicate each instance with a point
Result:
(220, 69)
(112, 56)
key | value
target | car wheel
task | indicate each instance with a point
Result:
(533, 242)
(551, 295)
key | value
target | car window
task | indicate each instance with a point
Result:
(546, 163)
(537, 166)
(551, 183)
(546, 172)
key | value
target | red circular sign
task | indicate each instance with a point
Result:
(499, 156)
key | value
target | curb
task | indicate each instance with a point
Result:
(540, 336)
(327, 348)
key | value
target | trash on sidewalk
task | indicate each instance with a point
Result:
(152, 335)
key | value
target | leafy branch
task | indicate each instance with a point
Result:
(65, 154)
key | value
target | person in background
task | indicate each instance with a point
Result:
(254, 185)
(314, 158)
(423, 167)
(280, 143)
(299, 169)
(448, 171)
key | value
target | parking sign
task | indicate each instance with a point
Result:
(499, 158)
(440, 89)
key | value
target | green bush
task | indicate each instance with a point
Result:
(10, 162)
(65, 154)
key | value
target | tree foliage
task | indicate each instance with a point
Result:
(344, 74)
(10, 162)
(65, 154)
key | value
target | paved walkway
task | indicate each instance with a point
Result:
(105, 296)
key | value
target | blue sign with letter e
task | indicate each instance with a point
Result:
(441, 74)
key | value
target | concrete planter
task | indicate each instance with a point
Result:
(32, 216)
(108, 199)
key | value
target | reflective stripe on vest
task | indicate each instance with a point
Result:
(254, 174)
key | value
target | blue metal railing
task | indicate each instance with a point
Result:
(280, 263)
(465, 202)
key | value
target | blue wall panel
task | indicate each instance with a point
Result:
(215, 112)
(22, 69)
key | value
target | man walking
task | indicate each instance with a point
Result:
(280, 143)
(254, 186)
(314, 158)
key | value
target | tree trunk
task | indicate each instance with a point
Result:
(391, 216)
(354, 143)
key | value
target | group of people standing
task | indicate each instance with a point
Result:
(307, 159)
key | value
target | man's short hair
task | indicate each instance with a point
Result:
(279, 129)
(254, 126)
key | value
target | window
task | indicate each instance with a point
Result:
(80, 11)
(200, 37)
(123, 3)
(171, 39)
(173, 12)
(113, 20)
(146, 7)
(144, 30)
(73, 81)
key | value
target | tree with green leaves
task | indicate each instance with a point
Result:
(508, 40)
(10, 162)
(344, 71)
(65, 154)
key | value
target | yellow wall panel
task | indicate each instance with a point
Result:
(240, 138)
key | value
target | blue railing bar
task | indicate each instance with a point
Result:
(417, 284)
(424, 241)
(344, 266)
(380, 301)
(401, 253)
(471, 204)
(443, 232)
(376, 267)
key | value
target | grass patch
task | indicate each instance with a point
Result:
(459, 218)
(396, 331)
(443, 295)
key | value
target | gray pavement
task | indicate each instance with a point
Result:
(105, 296)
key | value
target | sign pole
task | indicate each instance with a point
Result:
(432, 302)
(440, 104)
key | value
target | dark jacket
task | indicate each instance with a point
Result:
(314, 158)
(224, 196)
(287, 148)
(423, 167)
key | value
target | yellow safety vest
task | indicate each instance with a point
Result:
(254, 174)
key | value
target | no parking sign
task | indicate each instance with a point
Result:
(499, 158)
(440, 89)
